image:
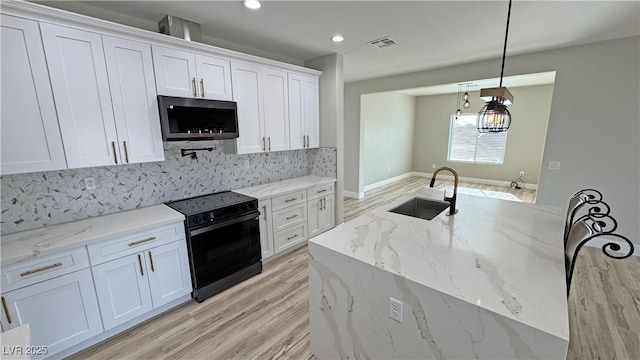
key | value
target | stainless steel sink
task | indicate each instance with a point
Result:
(421, 208)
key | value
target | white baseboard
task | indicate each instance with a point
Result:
(475, 180)
(597, 243)
(387, 181)
(353, 195)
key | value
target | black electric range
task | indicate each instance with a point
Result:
(223, 238)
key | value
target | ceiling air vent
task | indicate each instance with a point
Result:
(382, 42)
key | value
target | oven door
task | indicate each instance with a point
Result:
(222, 249)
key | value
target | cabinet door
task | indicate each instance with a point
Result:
(30, 134)
(327, 215)
(169, 273)
(247, 92)
(175, 72)
(314, 214)
(311, 111)
(61, 312)
(133, 94)
(123, 289)
(266, 228)
(297, 135)
(214, 78)
(276, 109)
(81, 90)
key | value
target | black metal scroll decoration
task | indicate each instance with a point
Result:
(586, 200)
(588, 227)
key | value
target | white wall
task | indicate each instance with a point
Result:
(594, 122)
(332, 115)
(388, 120)
(525, 139)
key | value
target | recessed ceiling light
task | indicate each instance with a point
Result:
(337, 38)
(252, 4)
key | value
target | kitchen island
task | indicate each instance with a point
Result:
(486, 283)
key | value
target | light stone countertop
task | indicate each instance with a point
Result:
(503, 256)
(51, 239)
(266, 191)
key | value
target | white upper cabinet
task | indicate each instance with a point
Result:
(276, 109)
(29, 129)
(81, 90)
(304, 111)
(133, 95)
(247, 91)
(262, 95)
(184, 74)
(311, 110)
(214, 78)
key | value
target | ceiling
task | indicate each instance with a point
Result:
(430, 34)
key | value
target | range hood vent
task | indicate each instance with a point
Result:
(181, 28)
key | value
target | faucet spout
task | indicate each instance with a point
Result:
(452, 199)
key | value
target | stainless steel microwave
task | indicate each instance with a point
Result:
(197, 119)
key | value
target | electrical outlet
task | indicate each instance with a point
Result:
(286, 159)
(554, 165)
(246, 164)
(90, 183)
(395, 309)
(521, 173)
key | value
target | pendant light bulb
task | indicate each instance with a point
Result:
(466, 104)
(465, 97)
(458, 112)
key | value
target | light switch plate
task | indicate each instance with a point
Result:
(554, 165)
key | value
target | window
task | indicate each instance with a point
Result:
(467, 145)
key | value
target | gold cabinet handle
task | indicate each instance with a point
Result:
(265, 213)
(126, 152)
(140, 263)
(306, 141)
(291, 217)
(115, 156)
(201, 87)
(292, 237)
(6, 310)
(30, 272)
(269, 139)
(142, 241)
(321, 191)
(324, 204)
(193, 84)
(151, 262)
(290, 200)
(264, 144)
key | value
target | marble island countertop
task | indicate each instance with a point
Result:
(50, 239)
(502, 256)
(277, 188)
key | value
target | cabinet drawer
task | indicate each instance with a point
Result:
(43, 268)
(290, 237)
(135, 242)
(290, 216)
(284, 201)
(320, 191)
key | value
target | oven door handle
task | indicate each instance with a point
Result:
(250, 216)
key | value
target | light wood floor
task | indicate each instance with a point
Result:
(267, 316)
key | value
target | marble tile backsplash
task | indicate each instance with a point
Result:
(34, 200)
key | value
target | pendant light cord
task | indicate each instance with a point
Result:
(506, 35)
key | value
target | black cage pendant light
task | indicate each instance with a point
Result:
(494, 117)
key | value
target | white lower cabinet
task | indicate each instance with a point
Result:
(135, 284)
(266, 228)
(123, 290)
(293, 218)
(61, 312)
